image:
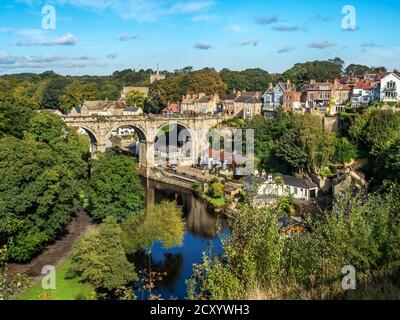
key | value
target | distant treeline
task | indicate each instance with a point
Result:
(49, 90)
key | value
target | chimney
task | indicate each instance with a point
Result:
(288, 84)
(271, 87)
(336, 82)
(312, 81)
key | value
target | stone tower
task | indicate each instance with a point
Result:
(158, 76)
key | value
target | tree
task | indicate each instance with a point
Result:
(14, 119)
(76, 93)
(115, 188)
(135, 99)
(162, 222)
(306, 145)
(216, 189)
(320, 71)
(173, 88)
(52, 93)
(99, 258)
(345, 151)
(42, 176)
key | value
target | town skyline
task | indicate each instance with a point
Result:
(119, 35)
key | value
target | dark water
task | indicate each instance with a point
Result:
(203, 234)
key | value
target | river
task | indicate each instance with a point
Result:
(203, 232)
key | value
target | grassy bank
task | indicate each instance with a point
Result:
(66, 289)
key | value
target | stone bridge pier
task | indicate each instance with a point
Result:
(100, 128)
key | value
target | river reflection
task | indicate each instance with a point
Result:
(201, 236)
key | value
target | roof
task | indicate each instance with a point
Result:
(230, 96)
(392, 73)
(204, 99)
(318, 86)
(248, 97)
(298, 182)
(366, 85)
(103, 105)
(133, 109)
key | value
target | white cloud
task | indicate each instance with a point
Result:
(8, 61)
(194, 6)
(321, 44)
(67, 40)
(139, 10)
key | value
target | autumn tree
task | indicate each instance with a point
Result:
(76, 93)
(135, 99)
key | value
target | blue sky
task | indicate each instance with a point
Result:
(101, 36)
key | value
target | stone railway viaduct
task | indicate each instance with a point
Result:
(100, 128)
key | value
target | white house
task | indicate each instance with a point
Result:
(267, 190)
(363, 93)
(390, 88)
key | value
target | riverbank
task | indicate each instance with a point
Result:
(56, 253)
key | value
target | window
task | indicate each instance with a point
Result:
(391, 85)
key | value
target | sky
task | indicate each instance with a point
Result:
(98, 37)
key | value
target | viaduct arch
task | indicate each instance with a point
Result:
(99, 129)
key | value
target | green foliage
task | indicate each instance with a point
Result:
(311, 139)
(10, 286)
(286, 206)
(162, 222)
(99, 258)
(41, 179)
(14, 119)
(319, 71)
(135, 99)
(115, 188)
(216, 189)
(247, 80)
(358, 231)
(377, 134)
(345, 151)
(173, 88)
(76, 93)
(66, 289)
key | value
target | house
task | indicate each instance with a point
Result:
(173, 108)
(200, 103)
(318, 94)
(390, 88)
(363, 93)
(273, 97)
(247, 105)
(99, 107)
(126, 90)
(341, 92)
(291, 98)
(227, 102)
(266, 189)
(132, 111)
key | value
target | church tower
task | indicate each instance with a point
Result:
(158, 76)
